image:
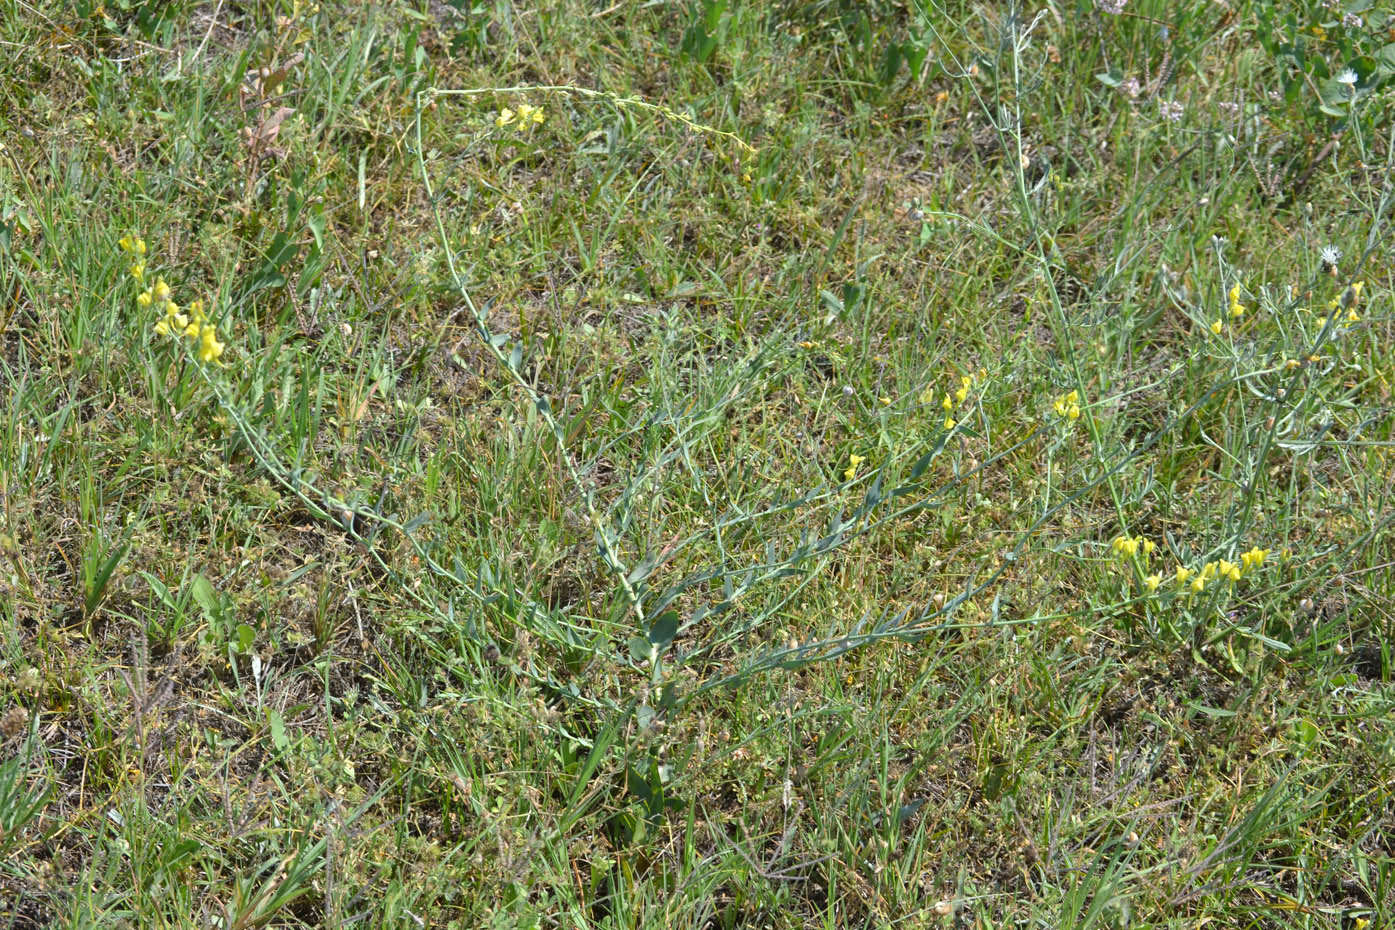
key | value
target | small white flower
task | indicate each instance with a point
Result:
(1131, 87)
(1170, 110)
(1351, 20)
(1346, 76)
(1330, 255)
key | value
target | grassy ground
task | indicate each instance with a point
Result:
(829, 464)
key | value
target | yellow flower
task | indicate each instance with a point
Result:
(961, 394)
(1234, 294)
(1148, 546)
(1217, 326)
(171, 308)
(1236, 311)
(949, 423)
(884, 401)
(1198, 584)
(1253, 559)
(210, 349)
(138, 271)
(162, 328)
(1068, 405)
(530, 114)
(947, 404)
(144, 299)
(1229, 570)
(1183, 573)
(505, 117)
(126, 243)
(190, 329)
(196, 312)
(1152, 582)
(161, 291)
(853, 462)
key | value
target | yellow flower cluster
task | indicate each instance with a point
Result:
(853, 462)
(959, 397)
(134, 246)
(1221, 570)
(526, 117)
(192, 324)
(1126, 547)
(1067, 406)
(1237, 309)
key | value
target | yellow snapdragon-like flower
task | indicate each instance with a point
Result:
(530, 115)
(950, 423)
(160, 292)
(1253, 559)
(1068, 406)
(210, 349)
(1184, 574)
(1152, 582)
(853, 461)
(144, 299)
(947, 405)
(505, 118)
(1217, 326)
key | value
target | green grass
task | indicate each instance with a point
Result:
(512, 566)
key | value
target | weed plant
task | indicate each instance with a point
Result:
(698, 465)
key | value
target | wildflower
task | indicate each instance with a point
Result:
(530, 115)
(1253, 559)
(1351, 20)
(196, 312)
(1170, 110)
(210, 349)
(144, 299)
(1152, 582)
(1183, 574)
(1237, 309)
(134, 245)
(853, 462)
(1228, 570)
(1217, 326)
(884, 401)
(1068, 405)
(1347, 76)
(947, 405)
(1112, 7)
(1329, 256)
(161, 291)
(1131, 87)
(949, 423)
(138, 271)
(505, 118)
(806, 344)
(1124, 546)
(963, 392)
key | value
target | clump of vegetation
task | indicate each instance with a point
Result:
(710, 464)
